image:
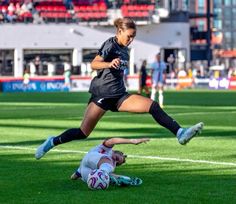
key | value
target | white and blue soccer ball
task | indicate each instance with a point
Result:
(98, 180)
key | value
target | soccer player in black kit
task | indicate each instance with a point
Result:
(143, 79)
(108, 93)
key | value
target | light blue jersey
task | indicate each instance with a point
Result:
(158, 70)
(92, 158)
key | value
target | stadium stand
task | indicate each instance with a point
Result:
(53, 11)
(15, 11)
(138, 11)
(38, 11)
(97, 12)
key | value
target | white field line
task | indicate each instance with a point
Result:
(147, 115)
(131, 156)
(131, 115)
(144, 115)
(183, 160)
(176, 114)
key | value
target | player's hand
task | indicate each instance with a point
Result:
(139, 141)
(115, 63)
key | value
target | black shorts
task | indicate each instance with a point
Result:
(111, 103)
(143, 82)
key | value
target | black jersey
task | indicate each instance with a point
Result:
(109, 82)
(143, 73)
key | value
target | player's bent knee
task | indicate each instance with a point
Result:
(81, 134)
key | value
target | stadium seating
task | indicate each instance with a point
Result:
(87, 2)
(97, 12)
(81, 10)
(53, 11)
(15, 13)
(27, 17)
(3, 7)
(138, 11)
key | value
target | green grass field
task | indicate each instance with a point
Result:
(204, 171)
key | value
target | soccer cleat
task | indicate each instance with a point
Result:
(44, 148)
(125, 181)
(188, 133)
(135, 181)
(113, 180)
(76, 175)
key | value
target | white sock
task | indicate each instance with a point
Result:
(153, 94)
(161, 98)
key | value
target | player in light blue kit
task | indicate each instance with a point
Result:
(158, 69)
(103, 157)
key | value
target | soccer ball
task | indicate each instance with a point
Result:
(98, 179)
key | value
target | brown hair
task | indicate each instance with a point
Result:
(124, 24)
(121, 154)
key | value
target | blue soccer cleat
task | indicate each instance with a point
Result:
(125, 181)
(44, 148)
(113, 180)
(188, 133)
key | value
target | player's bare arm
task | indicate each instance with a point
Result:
(99, 63)
(113, 141)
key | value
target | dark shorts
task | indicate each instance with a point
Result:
(143, 82)
(111, 103)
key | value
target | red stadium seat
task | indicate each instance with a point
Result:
(27, 15)
(59, 8)
(103, 15)
(145, 14)
(151, 7)
(50, 8)
(94, 8)
(76, 8)
(3, 7)
(102, 7)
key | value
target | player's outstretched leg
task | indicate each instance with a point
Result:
(44, 148)
(67, 136)
(113, 180)
(186, 134)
